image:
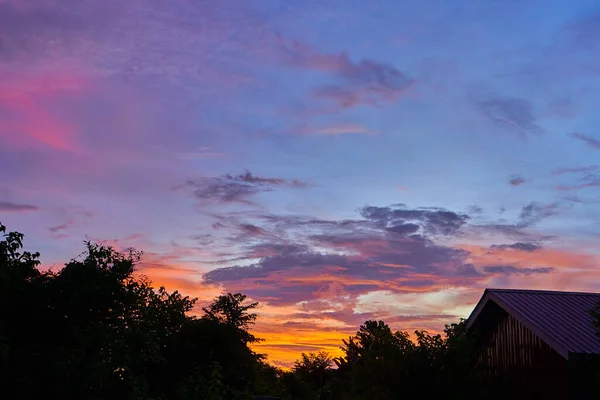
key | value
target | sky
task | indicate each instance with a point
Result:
(335, 160)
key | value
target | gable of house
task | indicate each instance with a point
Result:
(537, 344)
(561, 320)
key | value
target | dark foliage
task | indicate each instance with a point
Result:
(379, 364)
(94, 330)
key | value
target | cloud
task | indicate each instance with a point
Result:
(475, 209)
(535, 212)
(562, 171)
(588, 181)
(334, 130)
(6, 206)
(392, 247)
(514, 114)
(590, 141)
(520, 228)
(59, 228)
(71, 217)
(253, 229)
(432, 221)
(511, 270)
(366, 82)
(531, 246)
(304, 258)
(237, 188)
(26, 110)
(516, 180)
(580, 186)
(404, 229)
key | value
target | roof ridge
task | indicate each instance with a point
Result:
(537, 291)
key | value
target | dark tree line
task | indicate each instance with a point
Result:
(96, 330)
(93, 330)
(380, 364)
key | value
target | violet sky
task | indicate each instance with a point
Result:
(336, 160)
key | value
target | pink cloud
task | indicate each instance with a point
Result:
(580, 186)
(26, 105)
(365, 82)
(7, 206)
(334, 130)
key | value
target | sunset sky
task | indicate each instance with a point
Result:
(335, 160)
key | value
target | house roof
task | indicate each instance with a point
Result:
(561, 319)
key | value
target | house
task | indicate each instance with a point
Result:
(538, 344)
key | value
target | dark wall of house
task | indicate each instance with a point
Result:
(584, 372)
(516, 361)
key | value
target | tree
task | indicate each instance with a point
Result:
(16, 266)
(379, 363)
(268, 380)
(230, 309)
(314, 369)
(20, 282)
(91, 330)
(376, 362)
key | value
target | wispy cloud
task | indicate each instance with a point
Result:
(511, 270)
(59, 228)
(562, 171)
(237, 188)
(27, 120)
(365, 82)
(535, 212)
(334, 130)
(511, 113)
(590, 180)
(530, 246)
(6, 206)
(72, 217)
(589, 140)
(592, 184)
(529, 216)
(516, 180)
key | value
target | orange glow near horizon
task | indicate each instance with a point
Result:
(286, 337)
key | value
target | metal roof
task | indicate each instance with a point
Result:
(561, 319)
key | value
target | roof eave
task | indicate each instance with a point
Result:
(477, 310)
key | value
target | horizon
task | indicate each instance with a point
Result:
(336, 161)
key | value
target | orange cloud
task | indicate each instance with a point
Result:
(483, 256)
(572, 270)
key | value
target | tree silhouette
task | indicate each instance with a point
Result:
(315, 369)
(229, 309)
(96, 329)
